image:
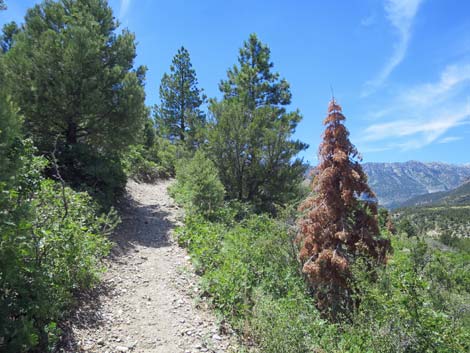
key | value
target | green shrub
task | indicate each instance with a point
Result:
(102, 175)
(51, 243)
(148, 163)
(139, 167)
(410, 305)
(167, 156)
(292, 324)
(203, 239)
(237, 259)
(198, 186)
(406, 227)
(417, 303)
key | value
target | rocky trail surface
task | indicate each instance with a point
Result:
(148, 299)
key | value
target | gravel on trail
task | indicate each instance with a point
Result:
(148, 299)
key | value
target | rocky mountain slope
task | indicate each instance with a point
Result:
(395, 183)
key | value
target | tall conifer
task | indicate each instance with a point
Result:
(251, 140)
(179, 116)
(339, 223)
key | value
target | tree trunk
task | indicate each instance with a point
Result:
(71, 134)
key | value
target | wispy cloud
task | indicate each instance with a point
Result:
(425, 112)
(450, 139)
(124, 8)
(450, 78)
(400, 14)
(422, 132)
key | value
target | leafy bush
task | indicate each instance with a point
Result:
(417, 303)
(139, 167)
(198, 186)
(235, 260)
(411, 306)
(167, 155)
(147, 163)
(86, 169)
(51, 245)
(204, 240)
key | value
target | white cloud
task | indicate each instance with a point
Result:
(416, 133)
(425, 112)
(124, 8)
(450, 139)
(400, 14)
(451, 77)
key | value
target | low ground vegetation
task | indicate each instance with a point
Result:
(52, 242)
(250, 271)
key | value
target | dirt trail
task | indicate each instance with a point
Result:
(148, 299)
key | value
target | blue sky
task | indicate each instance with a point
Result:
(399, 68)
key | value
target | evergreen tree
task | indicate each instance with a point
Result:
(340, 220)
(251, 138)
(253, 81)
(2, 5)
(406, 227)
(6, 39)
(72, 77)
(179, 116)
(9, 133)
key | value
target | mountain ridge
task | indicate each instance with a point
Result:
(459, 196)
(397, 182)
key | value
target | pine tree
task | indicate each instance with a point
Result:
(339, 224)
(72, 77)
(179, 116)
(251, 138)
(6, 39)
(10, 124)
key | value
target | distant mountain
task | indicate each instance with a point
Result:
(396, 183)
(457, 197)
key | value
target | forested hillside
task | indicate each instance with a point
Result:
(444, 215)
(86, 170)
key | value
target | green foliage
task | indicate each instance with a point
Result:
(414, 304)
(9, 134)
(150, 134)
(250, 139)
(382, 218)
(6, 39)
(237, 258)
(140, 166)
(179, 116)
(198, 186)
(407, 228)
(283, 325)
(168, 155)
(155, 158)
(417, 303)
(51, 243)
(71, 76)
(438, 219)
(99, 173)
(462, 244)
